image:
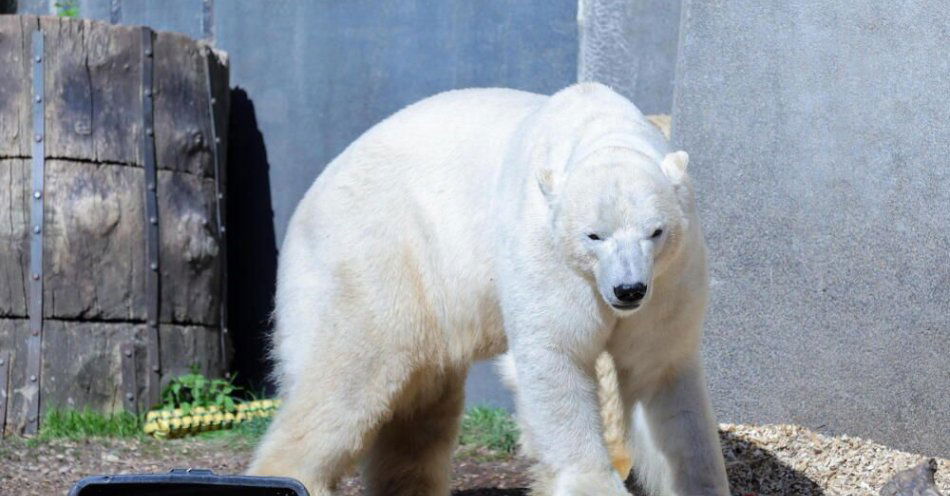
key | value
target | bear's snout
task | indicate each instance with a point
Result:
(630, 295)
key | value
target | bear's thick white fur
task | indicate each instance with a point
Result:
(459, 228)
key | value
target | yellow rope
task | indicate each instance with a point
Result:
(168, 424)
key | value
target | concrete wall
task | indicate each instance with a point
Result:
(631, 46)
(819, 136)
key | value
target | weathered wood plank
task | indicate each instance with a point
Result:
(185, 346)
(15, 84)
(182, 121)
(92, 86)
(13, 336)
(114, 69)
(190, 254)
(14, 236)
(94, 242)
(82, 363)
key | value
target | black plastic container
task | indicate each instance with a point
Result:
(187, 482)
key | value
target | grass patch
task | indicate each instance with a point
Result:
(489, 433)
(486, 434)
(248, 432)
(83, 424)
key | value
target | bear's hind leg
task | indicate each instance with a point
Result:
(327, 421)
(412, 452)
(310, 444)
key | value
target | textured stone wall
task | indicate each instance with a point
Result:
(819, 137)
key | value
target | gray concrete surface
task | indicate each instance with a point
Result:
(631, 46)
(819, 135)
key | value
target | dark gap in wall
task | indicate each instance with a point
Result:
(252, 246)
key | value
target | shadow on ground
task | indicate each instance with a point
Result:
(752, 471)
(490, 492)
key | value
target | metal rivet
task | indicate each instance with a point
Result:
(129, 396)
(32, 378)
(128, 353)
(148, 52)
(36, 277)
(38, 138)
(151, 186)
(1, 361)
(155, 369)
(148, 92)
(38, 99)
(153, 220)
(224, 330)
(217, 141)
(36, 332)
(32, 419)
(149, 131)
(36, 229)
(224, 229)
(37, 194)
(214, 100)
(220, 196)
(151, 323)
(38, 59)
(154, 266)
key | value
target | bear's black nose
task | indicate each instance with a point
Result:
(630, 293)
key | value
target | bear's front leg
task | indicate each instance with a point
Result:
(559, 416)
(680, 455)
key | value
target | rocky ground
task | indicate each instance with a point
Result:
(763, 460)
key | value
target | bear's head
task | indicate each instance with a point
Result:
(620, 217)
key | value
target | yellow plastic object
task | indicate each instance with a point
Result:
(169, 424)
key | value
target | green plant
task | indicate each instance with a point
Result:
(489, 431)
(81, 424)
(193, 390)
(67, 8)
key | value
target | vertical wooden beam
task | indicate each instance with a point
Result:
(34, 339)
(130, 389)
(220, 181)
(153, 270)
(5, 357)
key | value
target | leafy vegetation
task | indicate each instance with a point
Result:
(193, 390)
(67, 8)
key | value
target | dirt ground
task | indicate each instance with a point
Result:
(761, 460)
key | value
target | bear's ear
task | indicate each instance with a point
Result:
(674, 166)
(548, 182)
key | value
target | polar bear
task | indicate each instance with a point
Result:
(477, 222)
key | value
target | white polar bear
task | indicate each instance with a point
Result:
(475, 222)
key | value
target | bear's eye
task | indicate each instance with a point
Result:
(594, 237)
(657, 233)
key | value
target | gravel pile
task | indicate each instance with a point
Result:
(792, 460)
